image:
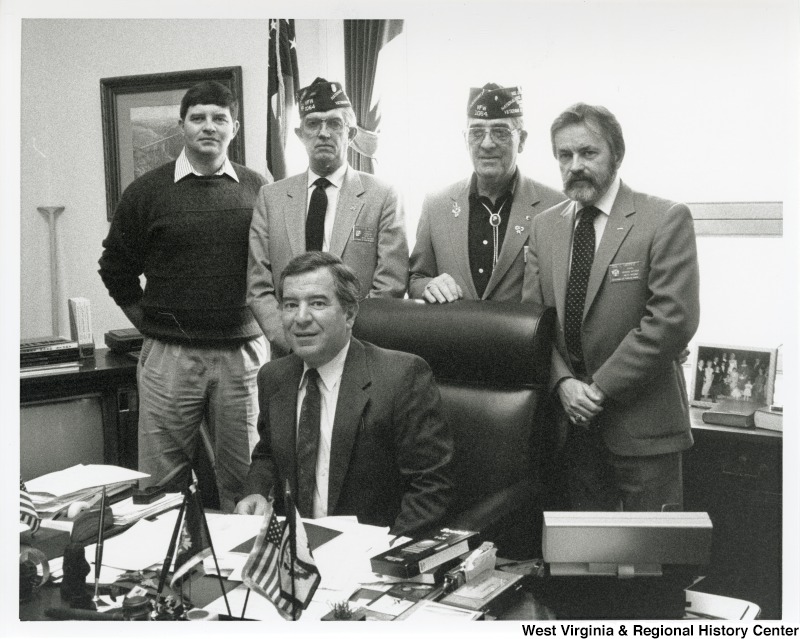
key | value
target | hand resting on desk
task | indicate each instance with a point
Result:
(252, 505)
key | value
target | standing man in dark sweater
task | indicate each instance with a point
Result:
(184, 226)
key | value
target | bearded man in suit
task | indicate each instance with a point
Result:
(472, 238)
(620, 267)
(330, 207)
(355, 429)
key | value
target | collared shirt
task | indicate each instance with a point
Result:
(336, 179)
(183, 168)
(330, 378)
(605, 203)
(481, 236)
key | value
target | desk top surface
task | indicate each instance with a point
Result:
(105, 369)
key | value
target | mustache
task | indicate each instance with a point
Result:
(575, 177)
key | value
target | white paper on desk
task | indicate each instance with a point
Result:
(142, 545)
(344, 563)
(228, 531)
(81, 477)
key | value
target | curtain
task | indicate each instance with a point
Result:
(363, 41)
(282, 82)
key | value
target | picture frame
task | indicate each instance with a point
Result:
(140, 122)
(722, 372)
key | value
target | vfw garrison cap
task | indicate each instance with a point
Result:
(322, 95)
(491, 101)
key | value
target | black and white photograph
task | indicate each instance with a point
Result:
(479, 270)
(733, 373)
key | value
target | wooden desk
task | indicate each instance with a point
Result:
(112, 378)
(736, 475)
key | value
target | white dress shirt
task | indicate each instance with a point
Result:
(183, 168)
(330, 376)
(336, 179)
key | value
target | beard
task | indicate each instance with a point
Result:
(587, 188)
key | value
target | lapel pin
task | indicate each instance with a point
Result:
(456, 209)
(352, 207)
(528, 217)
(519, 229)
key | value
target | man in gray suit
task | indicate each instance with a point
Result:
(620, 267)
(331, 207)
(472, 238)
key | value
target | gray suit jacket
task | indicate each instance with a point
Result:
(368, 235)
(642, 309)
(390, 449)
(442, 240)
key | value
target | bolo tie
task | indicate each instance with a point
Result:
(494, 220)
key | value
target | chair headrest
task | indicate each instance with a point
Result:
(497, 343)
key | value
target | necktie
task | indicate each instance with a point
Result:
(582, 258)
(315, 221)
(307, 444)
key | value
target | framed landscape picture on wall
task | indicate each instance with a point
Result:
(140, 123)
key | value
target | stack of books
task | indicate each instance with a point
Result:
(731, 412)
(52, 494)
(47, 356)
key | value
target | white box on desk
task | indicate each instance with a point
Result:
(624, 543)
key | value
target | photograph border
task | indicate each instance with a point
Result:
(769, 389)
(112, 88)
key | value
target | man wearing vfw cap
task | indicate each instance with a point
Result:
(330, 207)
(472, 238)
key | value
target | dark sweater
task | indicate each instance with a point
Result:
(190, 240)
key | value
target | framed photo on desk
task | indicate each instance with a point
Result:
(140, 123)
(723, 372)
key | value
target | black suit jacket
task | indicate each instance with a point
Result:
(390, 449)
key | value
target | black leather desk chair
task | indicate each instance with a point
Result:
(491, 361)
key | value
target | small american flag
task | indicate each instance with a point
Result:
(267, 570)
(27, 511)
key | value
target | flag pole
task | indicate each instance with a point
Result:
(162, 580)
(246, 599)
(290, 520)
(98, 554)
(196, 494)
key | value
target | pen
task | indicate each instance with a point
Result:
(98, 553)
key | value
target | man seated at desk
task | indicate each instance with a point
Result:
(356, 429)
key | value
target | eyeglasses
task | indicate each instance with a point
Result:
(334, 125)
(499, 134)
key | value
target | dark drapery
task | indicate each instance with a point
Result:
(363, 41)
(282, 82)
